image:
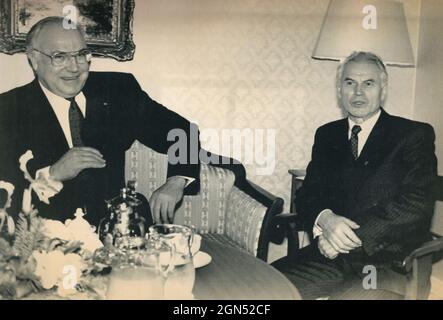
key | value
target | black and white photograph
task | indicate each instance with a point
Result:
(221, 150)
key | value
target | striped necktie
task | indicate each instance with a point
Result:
(354, 141)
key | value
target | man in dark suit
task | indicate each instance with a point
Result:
(78, 124)
(367, 195)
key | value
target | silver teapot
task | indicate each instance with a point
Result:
(127, 220)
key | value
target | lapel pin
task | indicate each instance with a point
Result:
(366, 163)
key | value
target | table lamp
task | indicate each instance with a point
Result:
(365, 25)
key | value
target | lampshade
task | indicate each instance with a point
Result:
(365, 25)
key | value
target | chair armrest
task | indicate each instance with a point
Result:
(426, 249)
(285, 225)
(284, 218)
(264, 193)
(281, 226)
(258, 193)
(298, 173)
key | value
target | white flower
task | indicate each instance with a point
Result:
(10, 190)
(23, 160)
(56, 229)
(11, 225)
(81, 230)
(72, 271)
(74, 230)
(51, 268)
(27, 201)
(40, 186)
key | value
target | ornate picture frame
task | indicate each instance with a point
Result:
(107, 23)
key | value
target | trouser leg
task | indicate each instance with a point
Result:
(312, 274)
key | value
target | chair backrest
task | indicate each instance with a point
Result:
(206, 211)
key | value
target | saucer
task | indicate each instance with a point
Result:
(201, 259)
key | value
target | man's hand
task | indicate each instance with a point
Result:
(338, 231)
(165, 198)
(326, 249)
(74, 161)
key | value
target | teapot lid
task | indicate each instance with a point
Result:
(127, 197)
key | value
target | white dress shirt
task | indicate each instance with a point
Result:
(61, 109)
(366, 129)
(363, 135)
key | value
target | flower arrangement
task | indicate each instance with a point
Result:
(38, 254)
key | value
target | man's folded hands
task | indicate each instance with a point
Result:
(338, 235)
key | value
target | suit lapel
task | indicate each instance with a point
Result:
(373, 154)
(97, 114)
(345, 173)
(45, 131)
(375, 148)
(341, 143)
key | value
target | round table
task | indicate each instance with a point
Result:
(234, 274)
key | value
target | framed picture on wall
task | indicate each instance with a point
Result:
(107, 23)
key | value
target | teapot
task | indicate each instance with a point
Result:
(128, 217)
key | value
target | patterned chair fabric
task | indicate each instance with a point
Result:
(221, 210)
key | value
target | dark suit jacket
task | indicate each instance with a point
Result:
(387, 190)
(118, 112)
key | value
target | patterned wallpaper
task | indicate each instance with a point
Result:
(246, 64)
(230, 64)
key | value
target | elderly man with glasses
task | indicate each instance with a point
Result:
(78, 124)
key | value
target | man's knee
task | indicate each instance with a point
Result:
(313, 278)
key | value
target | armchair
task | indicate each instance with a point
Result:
(229, 208)
(416, 267)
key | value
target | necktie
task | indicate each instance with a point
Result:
(75, 123)
(354, 140)
(84, 181)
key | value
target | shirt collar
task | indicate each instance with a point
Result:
(56, 100)
(366, 125)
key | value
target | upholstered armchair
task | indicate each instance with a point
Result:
(228, 209)
(416, 267)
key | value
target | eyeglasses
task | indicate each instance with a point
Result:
(59, 59)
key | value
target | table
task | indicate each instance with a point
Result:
(235, 274)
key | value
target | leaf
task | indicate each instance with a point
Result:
(37, 286)
(72, 247)
(54, 243)
(26, 269)
(5, 249)
(28, 237)
(24, 288)
(7, 291)
(7, 275)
